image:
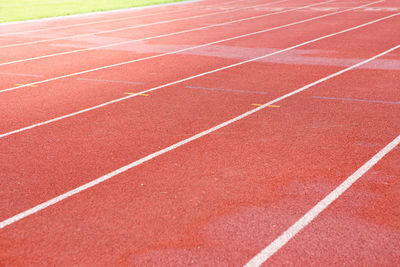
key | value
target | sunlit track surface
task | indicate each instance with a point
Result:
(222, 133)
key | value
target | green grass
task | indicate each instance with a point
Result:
(13, 10)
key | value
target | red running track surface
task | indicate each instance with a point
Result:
(225, 196)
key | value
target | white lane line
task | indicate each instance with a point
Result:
(134, 26)
(226, 90)
(357, 100)
(108, 81)
(190, 78)
(125, 168)
(283, 239)
(186, 8)
(173, 33)
(20, 74)
(181, 50)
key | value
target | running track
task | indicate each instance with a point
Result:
(207, 133)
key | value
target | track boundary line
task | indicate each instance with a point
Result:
(180, 50)
(98, 13)
(125, 168)
(177, 33)
(307, 218)
(106, 20)
(135, 26)
(191, 77)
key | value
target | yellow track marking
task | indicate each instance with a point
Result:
(136, 93)
(271, 106)
(20, 84)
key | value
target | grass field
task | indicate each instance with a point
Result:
(13, 10)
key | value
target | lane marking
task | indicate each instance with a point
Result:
(299, 225)
(187, 49)
(136, 94)
(20, 74)
(228, 90)
(108, 81)
(259, 258)
(141, 39)
(26, 85)
(377, 9)
(187, 8)
(193, 77)
(270, 106)
(134, 27)
(357, 100)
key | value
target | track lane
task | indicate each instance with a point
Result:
(92, 48)
(207, 212)
(362, 227)
(116, 27)
(118, 74)
(35, 66)
(181, 215)
(91, 116)
(338, 236)
(119, 39)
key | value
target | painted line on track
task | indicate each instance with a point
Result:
(276, 245)
(108, 20)
(20, 74)
(357, 100)
(139, 40)
(299, 225)
(270, 106)
(134, 26)
(127, 93)
(107, 81)
(372, 9)
(189, 48)
(29, 85)
(193, 77)
(228, 90)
